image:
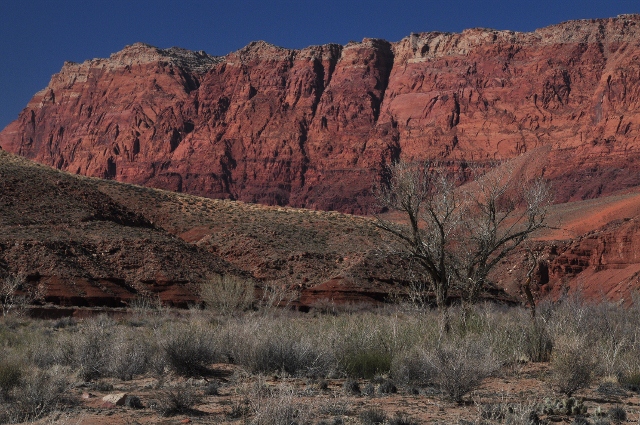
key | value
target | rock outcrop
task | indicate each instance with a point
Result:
(314, 127)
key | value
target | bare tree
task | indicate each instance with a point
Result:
(15, 297)
(428, 200)
(500, 212)
(8, 294)
(457, 235)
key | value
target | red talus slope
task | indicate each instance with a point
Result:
(313, 127)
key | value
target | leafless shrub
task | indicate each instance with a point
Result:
(10, 374)
(278, 406)
(174, 400)
(187, 349)
(461, 366)
(335, 407)
(15, 296)
(129, 355)
(37, 394)
(372, 416)
(572, 365)
(401, 419)
(273, 345)
(145, 303)
(89, 348)
(538, 344)
(413, 368)
(617, 414)
(227, 293)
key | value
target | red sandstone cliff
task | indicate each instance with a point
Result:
(313, 127)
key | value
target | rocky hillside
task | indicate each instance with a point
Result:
(98, 243)
(313, 127)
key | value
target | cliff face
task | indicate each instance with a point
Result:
(313, 127)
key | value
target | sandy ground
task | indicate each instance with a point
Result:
(241, 397)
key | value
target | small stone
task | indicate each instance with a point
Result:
(185, 421)
(116, 399)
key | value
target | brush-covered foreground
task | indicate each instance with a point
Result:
(576, 363)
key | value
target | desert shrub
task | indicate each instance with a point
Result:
(461, 365)
(286, 355)
(351, 387)
(186, 349)
(89, 348)
(629, 373)
(537, 343)
(364, 344)
(212, 388)
(401, 419)
(178, 399)
(133, 402)
(572, 365)
(387, 387)
(412, 368)
(275, 345)
(279, 410)
(373, 416)
(10, 375)
(227, 293)
(37, 394)
(617, 414)
(611, 389)
(322, 385)
(580, 420)
(277, 405)
(129, 355)
(335, 407)
(631, 381)
(64, 322)
(368, 390)
(366, 364)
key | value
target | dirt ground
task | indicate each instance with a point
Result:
(508, 397)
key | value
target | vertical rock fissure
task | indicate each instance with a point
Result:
(389, 59)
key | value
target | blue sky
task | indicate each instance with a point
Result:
(37, 36)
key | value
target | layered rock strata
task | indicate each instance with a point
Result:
(314, 127)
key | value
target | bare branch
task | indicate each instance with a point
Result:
(458, 235)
